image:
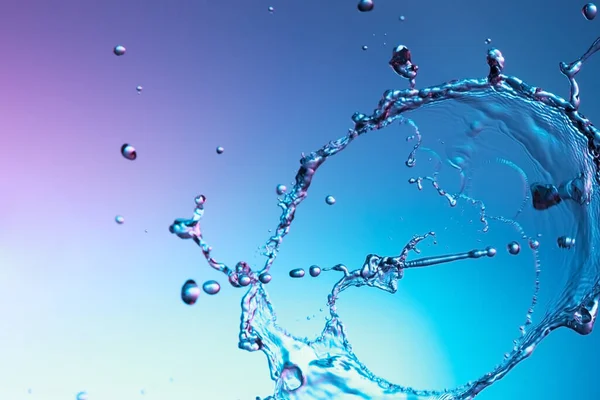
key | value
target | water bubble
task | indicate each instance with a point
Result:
(488, 41)
(297, 273)
(281, 189)
(365, 5)
(211, 287)
(314, 271)
(81, 396)
(119, 50)
(514, 248)
(271, 10)
(365, 48)
(589, 11)
(220, 150)
(565, 242)
(119, 219)
(128, 151)
(330, 200)
(265, 277)
(190, 292)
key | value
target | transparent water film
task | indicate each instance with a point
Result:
(559, 188)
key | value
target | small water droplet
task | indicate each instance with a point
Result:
(119, 219)
(402, 18)
(281, 189)
(565, 242)
(365, 48)
(514, 248)
(589, 11)
(190, 292)
(220, 150)
(211, 287)
(81, 396)
(365, 5)
(314, 271)
(330, 200)
(488, 41)
(534, 244)
(119, 50)
(139, 89)
(297, 273)
(271, 10)
(128, 151)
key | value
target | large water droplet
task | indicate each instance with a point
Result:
(365, 5)
(281, 189)
(297, 273)
(220, 150)
(119, 219)
(589, 11)
(190, 292)
(330, 200)
(119, 50)
(514, 248)
(128, 151)
(211, 287)
(314, 271)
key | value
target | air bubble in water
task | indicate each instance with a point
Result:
(330, 200)
(314, 271)
(190, 292)
(297, 273)
(514, 248)
(119, 50)
(589, 11)
(81, 396)
(281, 189)
(365, 5)
(119, 219)
(220, 150)
(211, 287)
(128, 151)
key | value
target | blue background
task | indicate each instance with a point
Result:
(87, 304)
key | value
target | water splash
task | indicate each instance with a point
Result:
(545, 125)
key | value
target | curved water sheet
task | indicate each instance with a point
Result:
(554, 166)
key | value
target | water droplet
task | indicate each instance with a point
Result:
(365, 5)
(281, 189)
(314, 271)
(589, 11)
(119, 50)
(297, 273)
(139, 89)
(220, 150)
(81, 396)
(200, 199)
(514, 248)
(402, 18)
(265, 277)
(128, 151)
(488, 41)
(119, 219)
(565, 242)
(330, 200)
(534, 244)
(271, 10)
(190, 292)
(211, 287)
(292, 377)
(365, 48)
(491, 252)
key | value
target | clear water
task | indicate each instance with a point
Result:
(558, 188)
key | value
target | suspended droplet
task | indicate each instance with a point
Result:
(514, 248)
(488, 41)
(211, 287)
(314, 271)
(119, 50)
(190, 292)
(491, 252)
(119, 219)
(244, 280)
(402, 18)
(271, 10)
(220, 150)
(330, 200)
(265, 277)
(128, 151)
(297, 273)
(81, 396)
(565, 242)
(139, 89)
(589, 11)
(365, 5)
(365, 48)
(534, 244)
(281, 189)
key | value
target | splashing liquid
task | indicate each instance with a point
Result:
(542, 123)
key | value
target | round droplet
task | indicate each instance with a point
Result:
(365, 5)
(365, 48)
(534, 244)
(211, 287)
(271, 9)
(81, 396)
(139, 89)
(128, 151)
(281, 189)
(330, 200)
(119, 219)
(119, 50)
(314, 271)
(200, 199)
(220, 150)
(514, 248)
(190, 292)
(589, 11)
(491, 252)
(297, 273)
(244, 280)
(402, 18)
(488, 41)
(265, 277)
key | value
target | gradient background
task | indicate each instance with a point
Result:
(87, 304)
